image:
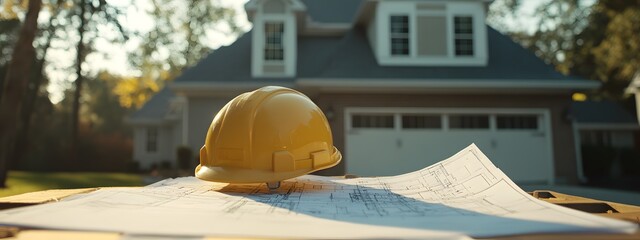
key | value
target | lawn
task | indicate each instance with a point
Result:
(22, 182)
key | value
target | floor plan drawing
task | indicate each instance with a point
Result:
(465, 195)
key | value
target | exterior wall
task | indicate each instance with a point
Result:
(561, 130)
(201, 111)
(165, 150)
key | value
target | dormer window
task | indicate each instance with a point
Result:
(463, 35)
(399, 35)
(274, 32)
(421, 33)
(273, 46)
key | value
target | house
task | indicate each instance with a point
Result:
(404, 84)
(157, 130)
(604, 125)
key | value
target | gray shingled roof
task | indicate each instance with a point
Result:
(156, 108)
(332, 11)
(233, 63)
(351, 57)
(507, 61)
(601, 112)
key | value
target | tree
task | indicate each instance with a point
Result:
(36, 95)
(177, 40)
(609, 48)
(556, 23)
(599, 41)
(8, 36)
(15, 84)
(90, 14)
(135, 91)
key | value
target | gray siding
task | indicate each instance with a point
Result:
(201, 112)
(166, 148)
(432, 35)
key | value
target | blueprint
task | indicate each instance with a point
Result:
(460, 197)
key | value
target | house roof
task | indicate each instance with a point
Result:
(332, 11)
(601, 112)
(350, 56)
(155, 109)
(233, 63)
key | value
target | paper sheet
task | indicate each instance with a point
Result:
(465, 195)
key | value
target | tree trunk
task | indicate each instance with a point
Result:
(32, 93)
(75, 118)
(15, 85)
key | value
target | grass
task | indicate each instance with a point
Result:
(21, 182)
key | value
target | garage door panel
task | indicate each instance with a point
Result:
(516, 143)
(372, 150)
(530, 146)
(431, 147)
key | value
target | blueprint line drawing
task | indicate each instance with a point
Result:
(465, 195)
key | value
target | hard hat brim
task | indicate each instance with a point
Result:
(245, 175)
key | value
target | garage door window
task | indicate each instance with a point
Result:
(421, 122)
(469, 122)
(523, 122)
(372, 121)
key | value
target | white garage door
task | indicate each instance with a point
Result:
(390, 141)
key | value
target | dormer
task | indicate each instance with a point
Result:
(274, 37)
(429, 33)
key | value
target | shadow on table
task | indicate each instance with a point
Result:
(373, 206)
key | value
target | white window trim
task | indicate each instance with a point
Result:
(148, 140)
(544, 122)
(473, 37)
(289, 42)
(383, 43)
(410, 36)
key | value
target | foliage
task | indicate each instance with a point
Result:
(135, 91)
(178, 39)
(599, 41)
(609, 48)
(22, 182)
(104, 111)
(179, 35)
(105, 140)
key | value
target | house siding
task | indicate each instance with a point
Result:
(558, 105)
(165, 151)
(201, 111)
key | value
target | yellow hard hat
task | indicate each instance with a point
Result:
(268, 135)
